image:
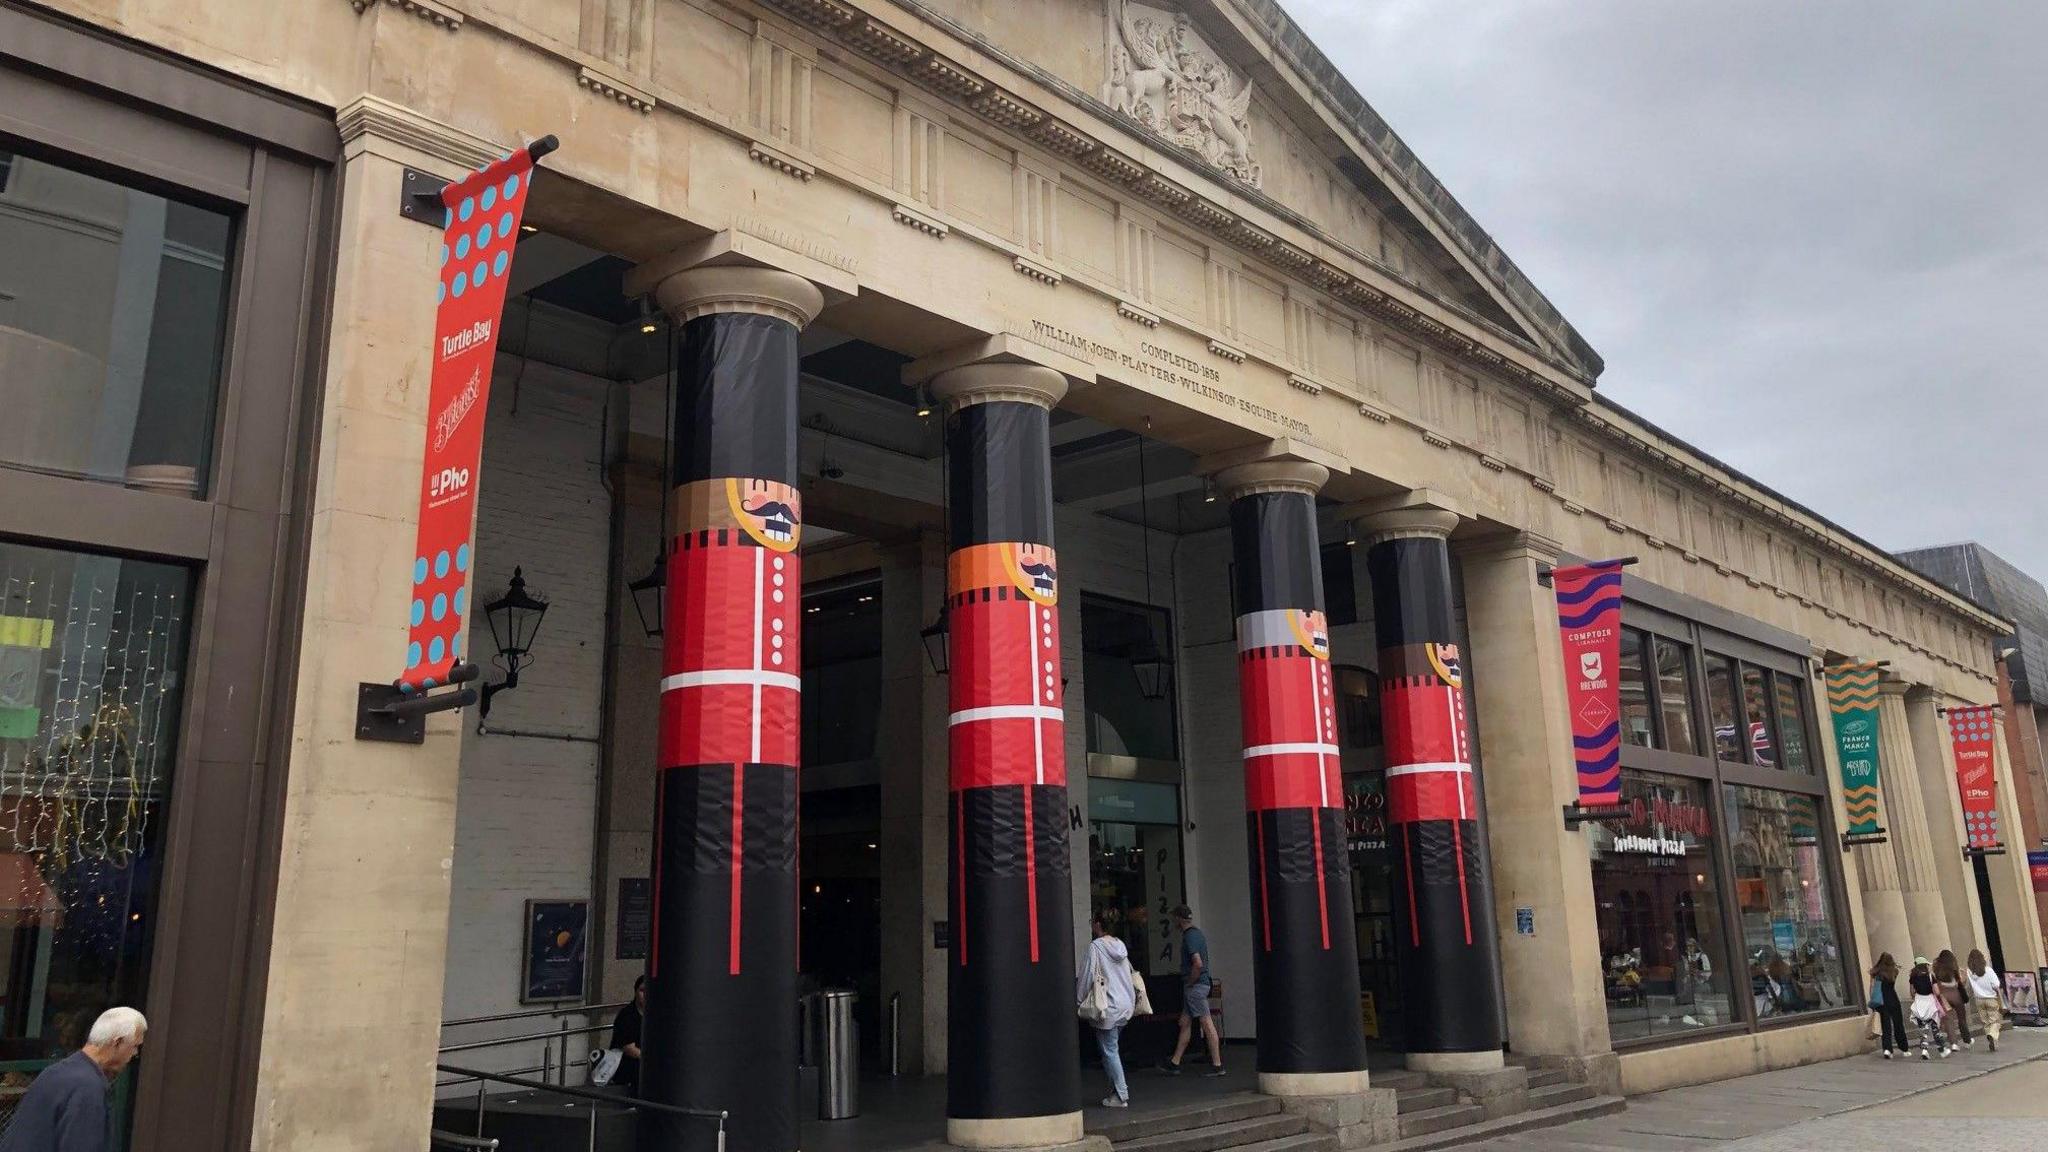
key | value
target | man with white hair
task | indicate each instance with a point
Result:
(67, 1108)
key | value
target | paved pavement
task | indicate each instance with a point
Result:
(1975, 1101)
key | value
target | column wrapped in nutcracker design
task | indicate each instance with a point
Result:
(722, 989)
(1304, 950)
(1443, 898)
(1011, 1073)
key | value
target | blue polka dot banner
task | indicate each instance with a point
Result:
(1973, 732)
(477, 241)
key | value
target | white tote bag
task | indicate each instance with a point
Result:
(604, 1064)
(1144, 1002)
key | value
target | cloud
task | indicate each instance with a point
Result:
(1810, 238)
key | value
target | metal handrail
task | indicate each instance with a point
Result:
(533, 1013)
(589, 1094)
(527, 1038)
(436, 1138)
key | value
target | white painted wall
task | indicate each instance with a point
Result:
(525, 814)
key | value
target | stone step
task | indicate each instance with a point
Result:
(1432, 1120)
(1306, 1142)
(1218, 1137)
(1551, 1095)
(1223, 1110)
(1399, 1078)
(1506, 1125)
(1545, 1077)
(1422, 1099)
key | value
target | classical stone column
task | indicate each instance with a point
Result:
(722, 987)
(2012, 891)
(1012, 1079)
(1936, 768)
(1913, 847)
(1877, 865)
(1443, 894)
(1305, 950)
(1556, 1000)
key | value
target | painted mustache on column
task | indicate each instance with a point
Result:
(778, 520)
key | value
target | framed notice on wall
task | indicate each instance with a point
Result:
(556, 942)
(636, 918)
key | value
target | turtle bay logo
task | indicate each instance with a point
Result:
(463, 339)
(450, 418)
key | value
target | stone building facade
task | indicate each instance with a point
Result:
(1170, 227)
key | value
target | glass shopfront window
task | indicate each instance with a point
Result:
(1135, 874)
(92, 652)
(1635, 693)
(1757, 706)
(111, 328)
(1792, 705)
(1663, 951)
(1674, 696)
(1126, 665)
(1721, 711)
(1790, 943)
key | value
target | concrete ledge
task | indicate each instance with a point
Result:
(1709, 1060)
(1357, 1119)
(1314, 1083)
(1601, 1071)
(1498, 1091)
(1061, 1131)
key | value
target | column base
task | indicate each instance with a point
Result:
(1432, 1062)
(1499, 1091)
(1359, 1119)
(1061, 1131)
(1313, 1083)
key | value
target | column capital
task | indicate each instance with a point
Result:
(1256, 476)
(704, 291)
(1419, 512)
(1893, 686)
(972, 384)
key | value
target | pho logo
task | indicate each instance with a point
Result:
(447, 481)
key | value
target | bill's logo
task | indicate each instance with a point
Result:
(768, 510)
(462, 340)
(1311, 631)
(450, 418)
(1444, 658)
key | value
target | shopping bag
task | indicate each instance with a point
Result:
(1144, 1002)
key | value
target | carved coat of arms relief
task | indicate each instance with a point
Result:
(1164, 76)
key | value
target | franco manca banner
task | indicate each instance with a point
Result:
(1589, 627)
(482, 229)
(1852, 700)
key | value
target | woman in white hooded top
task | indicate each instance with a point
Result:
(1108, 957)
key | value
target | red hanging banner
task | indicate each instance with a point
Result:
(1589, 626)
(1972, 731)
(483, 212)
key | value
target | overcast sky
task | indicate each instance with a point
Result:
(1810, 238)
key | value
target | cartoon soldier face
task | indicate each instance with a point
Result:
(1032, 569)
(1312, 631)
(1444, 658)
(768, 510)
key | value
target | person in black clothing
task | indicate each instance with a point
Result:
(1884, 1000)
(626, 1038)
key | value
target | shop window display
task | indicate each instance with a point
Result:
(1757, 706)
(1791, 947)
(1664, 962)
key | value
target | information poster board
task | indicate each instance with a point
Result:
(556, 940)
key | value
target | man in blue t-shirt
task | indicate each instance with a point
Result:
(1196, 978)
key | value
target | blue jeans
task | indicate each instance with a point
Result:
(1113, 1061)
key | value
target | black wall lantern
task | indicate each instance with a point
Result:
(650, 595)
(515, 620)
(935, 638)
(1154, 672)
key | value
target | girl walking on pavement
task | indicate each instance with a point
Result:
(1884, 1000)
(1108, 963)
(1983, 983)
(1955, 999)
(1926, 1010)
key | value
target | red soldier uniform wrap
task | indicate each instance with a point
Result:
(730, 690)
(1305, 964)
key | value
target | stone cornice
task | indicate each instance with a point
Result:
(375, 118)
(440, 13)
(1426, 317)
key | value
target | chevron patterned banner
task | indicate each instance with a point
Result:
(1852, 699)
(1589, 627)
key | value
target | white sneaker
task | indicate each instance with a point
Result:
(1887, 1053)
(1115, 1102)
(1947, 1052)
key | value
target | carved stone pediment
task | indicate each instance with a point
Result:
(1163, 75)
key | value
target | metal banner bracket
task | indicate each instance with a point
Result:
(386, 713)
(1577, 814)
(419, 197)
(1853, 839)
(1993, 850)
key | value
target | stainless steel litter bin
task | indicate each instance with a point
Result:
(834, 1041)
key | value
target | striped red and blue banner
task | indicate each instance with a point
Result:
(1589, 627)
